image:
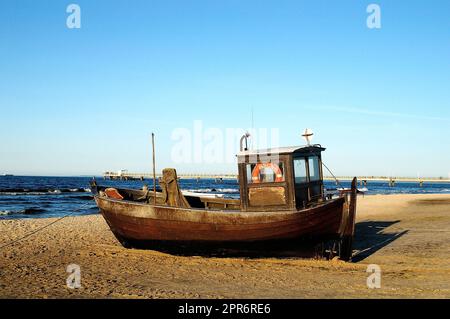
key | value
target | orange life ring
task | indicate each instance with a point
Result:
(256, 176)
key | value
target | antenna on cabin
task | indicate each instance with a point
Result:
(308, 136)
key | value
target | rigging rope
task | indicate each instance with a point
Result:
(42, 228)
(337, 181)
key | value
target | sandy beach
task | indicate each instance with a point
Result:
(408, 236)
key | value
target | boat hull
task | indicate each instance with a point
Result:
(138, 223)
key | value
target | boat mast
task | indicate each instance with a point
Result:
(154, 169)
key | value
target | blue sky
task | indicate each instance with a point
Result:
(85, 101)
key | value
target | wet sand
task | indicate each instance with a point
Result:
(408, 236)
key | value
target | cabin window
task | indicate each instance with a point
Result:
(300, 171)
(314, 172)
(308, 180)
(265, 173)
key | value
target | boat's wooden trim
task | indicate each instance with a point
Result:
(350, 230)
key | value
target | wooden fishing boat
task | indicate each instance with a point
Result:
(281, 199)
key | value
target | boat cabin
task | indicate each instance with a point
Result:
(281, 179)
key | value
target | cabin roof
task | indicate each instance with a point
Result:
(283, 150)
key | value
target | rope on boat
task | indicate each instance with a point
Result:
(337, 181)
(43, 227)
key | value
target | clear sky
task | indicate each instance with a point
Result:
(82, 101)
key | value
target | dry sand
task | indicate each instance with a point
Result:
(408, 236)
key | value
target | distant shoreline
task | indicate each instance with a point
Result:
(231, 176)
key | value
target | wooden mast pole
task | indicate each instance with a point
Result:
(154, 169)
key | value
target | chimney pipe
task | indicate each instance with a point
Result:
(245, 137)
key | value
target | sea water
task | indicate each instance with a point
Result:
(40, 196)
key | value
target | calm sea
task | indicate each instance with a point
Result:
(38, 197)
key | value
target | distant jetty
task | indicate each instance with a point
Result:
(127, 176)
(394, 179)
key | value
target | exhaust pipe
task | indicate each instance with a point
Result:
(245, 137)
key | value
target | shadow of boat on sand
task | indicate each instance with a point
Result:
(370, 237)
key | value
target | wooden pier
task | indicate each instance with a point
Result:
(393, 180)
(126, 176)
